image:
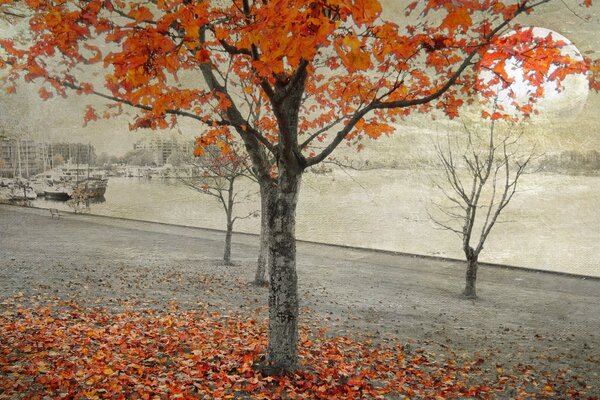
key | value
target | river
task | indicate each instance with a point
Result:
(553, 222)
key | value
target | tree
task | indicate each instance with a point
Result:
(58, 160)
(216, 174)
(293, 79)
(80, 200)
(179, 157)
(481, 175)
(141, 157)
(103, 160)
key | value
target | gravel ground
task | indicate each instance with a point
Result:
(549, 321)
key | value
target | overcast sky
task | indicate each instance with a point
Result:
(577, 127)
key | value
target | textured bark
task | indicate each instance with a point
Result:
(227, 252)
(267, 203)
(282, 352)
(471, 277)
(229, 213)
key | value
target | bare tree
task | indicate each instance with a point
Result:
(215, 174)
(480, 176)
(80, 200)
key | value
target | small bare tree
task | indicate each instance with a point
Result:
(80, 200)
(480, 176)
(215, 174)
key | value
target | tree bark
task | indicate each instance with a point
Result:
(470, 291)
(227, 252)
(282, 352)
(229, 232)
(267, 203)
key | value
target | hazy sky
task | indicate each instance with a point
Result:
(576, 127)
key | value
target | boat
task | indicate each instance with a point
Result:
(4, 195)
(87, 180)
(23, 193)
(84, 180)
(39, 185)
(58, 193)
(94, 186)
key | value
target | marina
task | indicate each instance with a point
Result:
(60, 184)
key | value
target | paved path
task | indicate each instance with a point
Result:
(521, 316)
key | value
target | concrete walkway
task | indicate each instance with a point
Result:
(543, 319)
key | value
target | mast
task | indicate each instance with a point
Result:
(77, 172)
(45, 155)
(19, 157)
(27, 158)
(13, 159)
(88, 166)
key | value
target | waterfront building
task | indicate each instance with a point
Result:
(74, 153)
(27, 157)
(163, 147)
(23, 157)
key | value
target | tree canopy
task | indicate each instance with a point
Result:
(230, 64)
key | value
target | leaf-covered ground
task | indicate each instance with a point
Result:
(61, 350)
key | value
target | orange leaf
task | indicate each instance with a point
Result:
(141, 14)
(90, 115)
(349, 50)
(366, 11)
(44, 93)
(456, 18)
(97, 54)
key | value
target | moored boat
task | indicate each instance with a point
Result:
(58, 193)
(89, 181)
(93, 186)
(62, 182)
(23, 194)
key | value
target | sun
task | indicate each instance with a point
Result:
(559, 100)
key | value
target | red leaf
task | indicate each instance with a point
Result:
(90, 115)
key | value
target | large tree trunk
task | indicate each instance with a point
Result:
(282, 352)
(471, 277)
(267, 204)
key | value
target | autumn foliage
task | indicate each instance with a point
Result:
(64, 351)
(355, 62)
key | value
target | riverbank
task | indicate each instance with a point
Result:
(549, 321)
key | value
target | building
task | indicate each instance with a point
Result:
(7, 158)
(23, 157)
(162, 148)
(74, 153)
(26, 157)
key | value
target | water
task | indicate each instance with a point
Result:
(553, 223)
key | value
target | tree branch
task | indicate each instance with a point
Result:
(181, 113)
(487, 39)
(339, 136)
(321, 131)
